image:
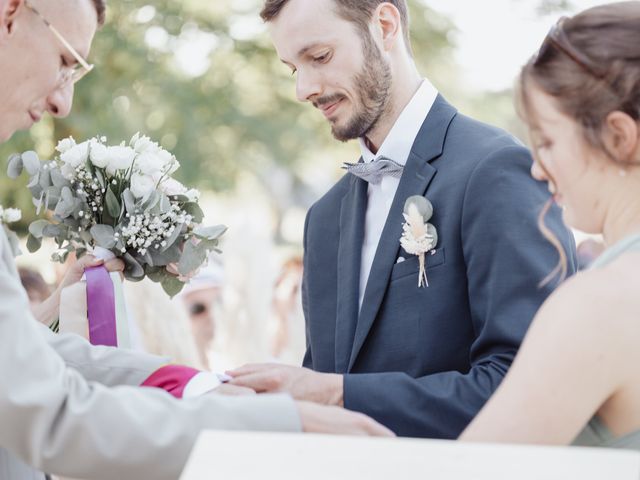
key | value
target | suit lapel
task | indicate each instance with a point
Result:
(417, 175)
(352, 215)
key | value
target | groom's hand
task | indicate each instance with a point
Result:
(300, 383)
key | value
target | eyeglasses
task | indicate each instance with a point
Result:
(68, 75)
(558, 39)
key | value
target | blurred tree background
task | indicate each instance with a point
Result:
(202, 78)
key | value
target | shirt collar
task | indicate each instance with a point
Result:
(400, 139)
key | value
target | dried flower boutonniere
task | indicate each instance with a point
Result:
(418, 236)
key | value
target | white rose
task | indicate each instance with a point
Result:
(172, 187)
(141, 185)
(99, 154)
(68, 171)
(12, 215)
(120, 158)
(149, 164)
(76, 155)
(143, 144)
(65, 144)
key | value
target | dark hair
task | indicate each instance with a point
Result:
(101, 6)
(356, 11)
(590, 65)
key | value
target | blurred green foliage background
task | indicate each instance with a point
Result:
(202, 78)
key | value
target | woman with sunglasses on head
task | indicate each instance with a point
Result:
(576, 378)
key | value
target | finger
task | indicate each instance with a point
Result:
(250, 369)
(375, 429)
(260, 382)
(115, 265)
(89, 261)
(232, 390)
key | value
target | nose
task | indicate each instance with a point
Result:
(60, 100)
(307, 86)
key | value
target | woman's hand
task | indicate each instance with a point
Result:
(76, 270)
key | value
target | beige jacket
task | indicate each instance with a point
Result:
(59, 414)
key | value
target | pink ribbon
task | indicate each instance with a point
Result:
(172, 378)
(101, 307)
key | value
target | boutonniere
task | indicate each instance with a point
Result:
(11, 215)
(418, 236)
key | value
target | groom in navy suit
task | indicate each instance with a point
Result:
(421, 360)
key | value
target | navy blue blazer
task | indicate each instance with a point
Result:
(423, 361)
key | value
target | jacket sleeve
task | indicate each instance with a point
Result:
(506, 258)
(106, 365)
(56, 421)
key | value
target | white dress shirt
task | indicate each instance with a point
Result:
(396, 146)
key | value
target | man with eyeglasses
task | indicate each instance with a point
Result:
(58, 410)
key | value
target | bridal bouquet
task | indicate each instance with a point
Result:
(121, 199)
(7, 216)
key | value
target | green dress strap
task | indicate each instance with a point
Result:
(596, 433)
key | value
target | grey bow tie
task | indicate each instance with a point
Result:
(373, 172)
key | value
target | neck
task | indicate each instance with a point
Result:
(406, 84)
(623, 215)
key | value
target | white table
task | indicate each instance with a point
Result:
(249, 455)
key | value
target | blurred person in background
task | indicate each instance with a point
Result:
(288, 336)
(37, 289)
(199, 298)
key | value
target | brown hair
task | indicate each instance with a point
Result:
(590, 65)
(355, 11)
(101, 6)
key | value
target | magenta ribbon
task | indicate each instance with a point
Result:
(101, 307)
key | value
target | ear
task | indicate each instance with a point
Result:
(387, 20)
(622, 136)
(9, 10)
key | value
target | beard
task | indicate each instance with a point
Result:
(372, 89)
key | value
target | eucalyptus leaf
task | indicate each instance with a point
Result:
(133, 270)
(156, 274)
(33, 243)
(100, 178)
(45, 179)
(113, 205)
(165, 203)
(104, 236)
(15, 167)
(151, 201)
(129, 201)
(422, 204)
(174, 236)
(37, 228)
(58, 180)
(172, 285)
(210, 233)
(31, 162)
(195, 211)
(192, 259)
(34, 180)
(53, 231)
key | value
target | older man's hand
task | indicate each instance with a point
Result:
(300, 383)
(335, 420)
(77, 268)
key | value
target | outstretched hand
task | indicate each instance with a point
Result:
(322, 419)
(300, 383)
